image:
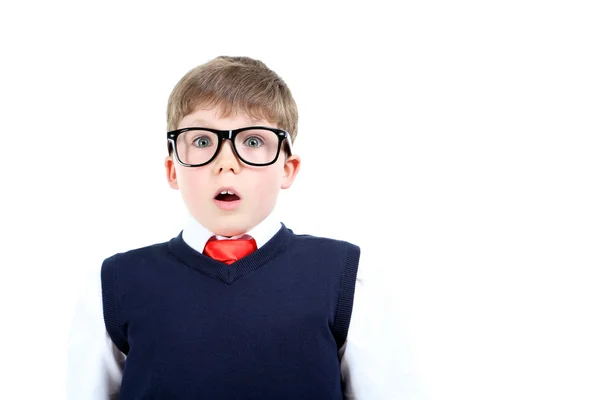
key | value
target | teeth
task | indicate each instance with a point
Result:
(226, 192)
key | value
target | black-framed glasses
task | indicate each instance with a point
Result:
(254, 145)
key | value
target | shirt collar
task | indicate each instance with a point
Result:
(196, 235)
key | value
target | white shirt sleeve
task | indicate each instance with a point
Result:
(375, 360)
(94, 364)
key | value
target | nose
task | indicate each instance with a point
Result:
(226, 160)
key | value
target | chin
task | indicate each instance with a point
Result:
(223, 228)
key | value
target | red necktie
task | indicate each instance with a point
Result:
(229, 251)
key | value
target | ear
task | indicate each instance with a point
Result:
(290, 170)
(171, 174)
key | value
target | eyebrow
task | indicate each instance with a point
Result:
(199, 122)
(196, 123)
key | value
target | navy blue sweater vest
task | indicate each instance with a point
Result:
(269, 326)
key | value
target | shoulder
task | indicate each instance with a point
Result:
(322, 241)
(136, 256)
(130, 269)
(325, 245)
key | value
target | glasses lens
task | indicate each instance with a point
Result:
(257, 146)
(196, 146)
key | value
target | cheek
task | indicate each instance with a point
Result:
(192, 182)
(267, 183)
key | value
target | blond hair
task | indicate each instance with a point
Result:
(234, 84)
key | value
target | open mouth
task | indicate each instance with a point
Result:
(227, 195)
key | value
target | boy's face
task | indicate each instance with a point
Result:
(256, 187)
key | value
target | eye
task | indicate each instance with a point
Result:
(253, 141)
(202, 142)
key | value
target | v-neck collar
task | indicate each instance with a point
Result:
(230, 273)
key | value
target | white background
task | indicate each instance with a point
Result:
(456, 142)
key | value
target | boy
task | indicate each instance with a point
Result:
(236, 306)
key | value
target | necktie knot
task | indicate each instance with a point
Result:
(229, 251)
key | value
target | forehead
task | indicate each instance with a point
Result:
(214, 118)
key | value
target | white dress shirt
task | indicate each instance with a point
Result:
(95, 365)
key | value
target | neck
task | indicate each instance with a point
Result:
(196, 235)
